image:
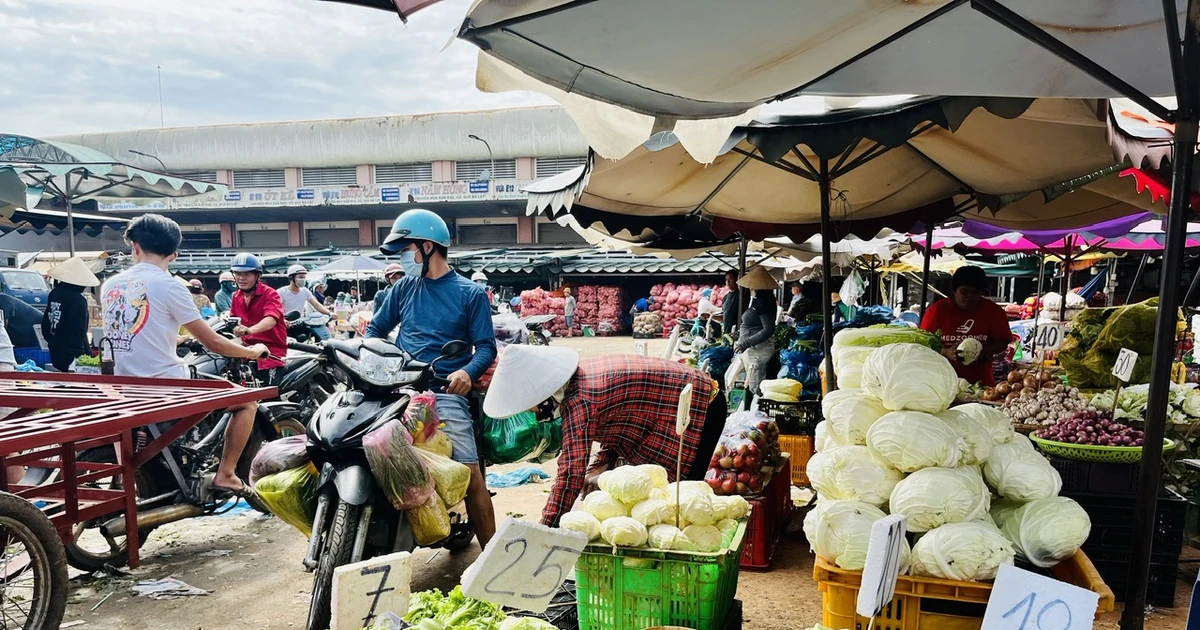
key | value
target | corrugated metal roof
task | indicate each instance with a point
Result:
(512, 133)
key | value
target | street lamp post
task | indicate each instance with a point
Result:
(492, 169)
(152, 157)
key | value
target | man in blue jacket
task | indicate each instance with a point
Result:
(434, 305)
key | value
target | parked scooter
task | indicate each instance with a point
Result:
(538, 336)
(303, 328)
(354, 519)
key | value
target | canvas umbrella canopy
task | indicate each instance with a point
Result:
(355, 264)
(402, 8)
(69, 174)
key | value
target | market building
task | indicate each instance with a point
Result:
(340, 183)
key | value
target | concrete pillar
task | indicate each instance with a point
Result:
(526, 229)
(443, 171)
(364, 174)
(291, 178)
(525, 168)
(225, 176)
(228, 235)
(366, 232)
(295, 233)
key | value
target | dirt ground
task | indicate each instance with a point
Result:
(250, 564)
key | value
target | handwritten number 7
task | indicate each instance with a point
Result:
(1028, 604)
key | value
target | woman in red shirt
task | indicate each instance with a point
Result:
(966, 314)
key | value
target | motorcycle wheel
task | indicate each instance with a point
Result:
(33, 568)
(335, 552)
(86, 550)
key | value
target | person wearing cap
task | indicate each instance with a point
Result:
(627, 403)
(318, 291)
(393, 273)
(705, 309)
(198, 298)
(481, 279)
(296, 297)
(966, 314)
(757, 328)
(569, 309)
(433, 305)
(224, 296)
(261, 312)
(144, 307)
(65, 322)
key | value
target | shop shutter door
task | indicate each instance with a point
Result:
(555, 234)
(200, 176)
(262, 239)
(201, 240)
(502, 234)
(341, 237)
(549, 167)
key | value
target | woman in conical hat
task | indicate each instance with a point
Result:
(65, 322)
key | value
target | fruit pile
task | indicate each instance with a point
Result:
(1018, 382)
(746, 455)
(1096, 428)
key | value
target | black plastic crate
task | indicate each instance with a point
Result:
(1096, 477)
(1113, 566)
(1113, 521)
(793, 418)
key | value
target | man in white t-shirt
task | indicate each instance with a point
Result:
(144, 307)
(296, 296)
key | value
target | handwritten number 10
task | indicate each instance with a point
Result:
(1027, 604)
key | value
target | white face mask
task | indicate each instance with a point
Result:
(408, 260)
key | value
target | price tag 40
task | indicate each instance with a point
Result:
(1049, 336)
(1123, 367)
(1022, 600)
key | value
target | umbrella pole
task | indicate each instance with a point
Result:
(741, 293)
(1170, 277)
(1037, 305)
(925, 271)
(70, 216)
(1137, 277)
(827, 275)
(1066, 282)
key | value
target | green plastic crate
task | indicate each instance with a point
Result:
(693, 590)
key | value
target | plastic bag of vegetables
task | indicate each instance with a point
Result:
(851, 473)
(430, 521)
(932, 497)
(438, 443)
(961, 551)
(1047, 531)
(839, 531)
(912, 440)
(280, 455)
(977, 437)
(850, 413)
(397, 467)
(450, 478)
(910, 376)
(513, 439)
(1019, 472)
(291, 495)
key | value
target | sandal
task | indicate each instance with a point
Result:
(243, 491)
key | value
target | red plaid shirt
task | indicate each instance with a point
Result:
(627, 403)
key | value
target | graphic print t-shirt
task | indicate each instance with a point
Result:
(144, 308)
(986, 323)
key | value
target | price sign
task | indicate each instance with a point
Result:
(1123, 368)
(640, 347)
(1022, 600)
(683, 412)
(369, 593)
(523, 565)
(1049, 336)
(882, 566)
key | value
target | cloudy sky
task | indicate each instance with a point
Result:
(91, 65)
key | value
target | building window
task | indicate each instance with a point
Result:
(259, 178)
(329, 176)
(404, 173)
(475, 171)
(549, 167)
(200, 176)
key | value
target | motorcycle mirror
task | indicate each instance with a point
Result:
(454, 349)
(292, 316)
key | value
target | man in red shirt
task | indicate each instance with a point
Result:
(627, 403)
(261, 312)
(966, 314)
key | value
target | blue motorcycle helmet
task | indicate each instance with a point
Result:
(244, 262)
(417, 224)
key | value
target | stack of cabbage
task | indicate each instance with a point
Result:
(895, 446)
(636, 507)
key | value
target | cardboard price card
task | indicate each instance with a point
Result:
(1022, 600)
(523, 565)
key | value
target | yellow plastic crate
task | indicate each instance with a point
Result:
(801, 449)
(924, 603)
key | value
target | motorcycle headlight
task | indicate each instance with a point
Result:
(376, 369)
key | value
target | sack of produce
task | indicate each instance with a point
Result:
(839, 532)
(998, 425)
(851, 473)
(932, 497)
(912, 440)
(1017, 471)
(397, 467)
(850, 413)
(280, 455)
(291, 495)
(430, 521)
(910, 376)
(552, 435)
(421, 417)
(513, 439)
(1047, 531)
(961, 551)
(977, 437)
(450, 478)
(438, 443)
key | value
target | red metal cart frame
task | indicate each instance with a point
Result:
(90, 411)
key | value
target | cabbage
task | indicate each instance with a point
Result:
(910, 376)
(978, 438)
(848, 364)
(728, 528)
(849, 413)
(850, 472)
(1017, 473)
(669, 537)
(1002, 509)
(603, 506)
(706, 538)
(661, 495)
(521, 623)
(652, 512)
(1046, 531)
(961, 551)
(839, 531)
(689, 487)
(735, 507)
(581, 522)
(911, 440)
(996, 422)
(932, 497)
(823, 439)
(627, 484)
(658, 474)
(622, 531)
(696, 508)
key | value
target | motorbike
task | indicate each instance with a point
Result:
(176, 484)
(303, 328)
(354, 520)
(538, 336)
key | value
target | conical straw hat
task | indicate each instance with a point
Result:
(74, 271)
(526, 376)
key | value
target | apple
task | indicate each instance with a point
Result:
(726, 462)
(740, 488)
(728, 487)
(739, 462)
(743, 477)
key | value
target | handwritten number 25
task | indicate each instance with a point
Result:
(1027, 604)
(544, 566)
